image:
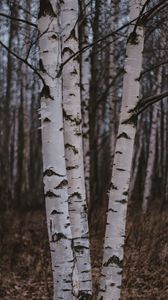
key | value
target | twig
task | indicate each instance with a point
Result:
(153, 67)
(18, 19)
(144, 16)
(24, 61)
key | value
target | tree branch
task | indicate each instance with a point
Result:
(17, 19)
(153, 11)
(156, 99)
(144, 17)
(113, 33)
(23, 61)
(142, 105)
(140, 16)
(153, 68)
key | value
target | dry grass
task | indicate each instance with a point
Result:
(146, 258)
(25, 271)
(25, 260)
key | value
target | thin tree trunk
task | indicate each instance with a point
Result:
(112, 74)
(15, 150)
(54, 167)
(26, 125)
(164, 116)
(151, 160)
(152, 150)
(137, 155)
(110, 285)
(74, 147)
(93, 119)
(6, 176)
(85, 86)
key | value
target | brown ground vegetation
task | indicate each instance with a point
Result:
(25, 271)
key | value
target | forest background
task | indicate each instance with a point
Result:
(25, 268)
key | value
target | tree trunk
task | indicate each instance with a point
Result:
(152, 150)
(85, 86)
(137, 156)
(6, 176)
(110, 286)
(26, 125)
(54, 176)
(74, 147)
(112, 74)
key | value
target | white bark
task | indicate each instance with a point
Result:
(110, 285)
(73, 147)
(55, 179)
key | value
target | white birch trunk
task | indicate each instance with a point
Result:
(73, 147)
(110, 285)
(55, 179)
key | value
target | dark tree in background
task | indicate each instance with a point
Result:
(21, 171)
(21, 165)
(103, 38)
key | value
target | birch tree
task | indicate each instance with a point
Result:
(110, 284)
(74, 147)
(54, 176)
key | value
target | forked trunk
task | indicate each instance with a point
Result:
(55, 179)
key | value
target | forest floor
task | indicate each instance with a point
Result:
(25, 271)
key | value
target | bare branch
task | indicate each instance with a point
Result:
(17, 19)
(144, 17)
(153, 11)
(23, 61)
(113, 33)
(148, 100)
(153, 68)
(143, 104)
(154, 100)
(140, 16)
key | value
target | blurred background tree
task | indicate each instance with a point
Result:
(102, 66)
